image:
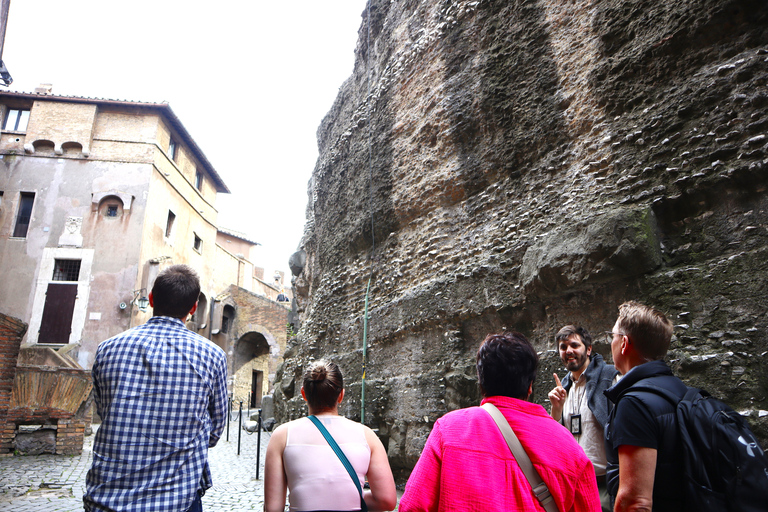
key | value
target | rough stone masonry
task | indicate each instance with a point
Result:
(514, 164)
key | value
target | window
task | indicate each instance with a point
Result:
(24, 215)
(198, 179)
(227, 319)
(169, 224)
(172, 149)
(66, 270)
(16, 120)
(111, 207)
(198, 244)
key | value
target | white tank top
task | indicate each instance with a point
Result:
(317, 479)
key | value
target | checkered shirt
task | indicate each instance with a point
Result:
(161, 392)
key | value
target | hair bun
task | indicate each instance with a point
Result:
(319, 372)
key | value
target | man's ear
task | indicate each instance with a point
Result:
(303, 395)
(192, 311)
(151, 300)
(625, 344)
(341, 396)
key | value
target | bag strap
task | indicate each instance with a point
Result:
(343, 458)
(540, 489)
(672, 398)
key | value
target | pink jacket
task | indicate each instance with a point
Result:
(466, 464)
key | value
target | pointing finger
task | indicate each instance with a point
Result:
(557, 380)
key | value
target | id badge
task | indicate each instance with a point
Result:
(576, 424)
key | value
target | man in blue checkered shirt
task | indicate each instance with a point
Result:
(161, 393)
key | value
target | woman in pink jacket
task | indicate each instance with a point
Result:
(467, 465)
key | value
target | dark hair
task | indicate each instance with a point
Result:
(175, 291)
(506, 365)
(647, 327)
(569, 330)
(323, 384)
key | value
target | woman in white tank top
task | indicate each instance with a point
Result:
(299, 458)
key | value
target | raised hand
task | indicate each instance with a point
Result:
(557, 398)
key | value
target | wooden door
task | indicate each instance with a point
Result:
(56, 324)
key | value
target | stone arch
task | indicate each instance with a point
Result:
(98, 197)
(250, 368)
(202, 311)
(44, 146)
(228, 314)
(72, 148)
(111, 206)
(222, 318)
(249, 346)
(197, 322)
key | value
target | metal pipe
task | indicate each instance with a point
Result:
(365, 354)
(240, 427)
(5, 6)
(229, 415)
(258, 446)
(5, 76)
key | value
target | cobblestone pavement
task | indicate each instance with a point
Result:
(56, 483)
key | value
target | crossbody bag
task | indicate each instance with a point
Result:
(540, 489)
(343, 458)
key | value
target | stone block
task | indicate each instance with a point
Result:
(36, 442)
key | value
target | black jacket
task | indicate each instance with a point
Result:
(667, 486)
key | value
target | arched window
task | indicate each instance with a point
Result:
(45, 147)
(72, 148)
(227, 318)
(111, 207)
(202, 311)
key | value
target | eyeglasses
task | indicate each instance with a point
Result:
(610, 334)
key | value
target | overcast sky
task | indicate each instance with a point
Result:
(250, 80)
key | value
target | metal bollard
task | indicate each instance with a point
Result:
(240, 427)
(229, 414)
(258, 446)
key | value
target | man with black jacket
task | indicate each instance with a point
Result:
(641, 436)
(578, 401)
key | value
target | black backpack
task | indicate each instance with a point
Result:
(725, 469)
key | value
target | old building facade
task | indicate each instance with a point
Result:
(96, 197)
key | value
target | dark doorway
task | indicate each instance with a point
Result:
(256, 383)
(56, 324)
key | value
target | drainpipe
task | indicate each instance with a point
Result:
(210, 318)
(365, 354)
(5, 76)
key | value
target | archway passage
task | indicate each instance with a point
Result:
(250, 364)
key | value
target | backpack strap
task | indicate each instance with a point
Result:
(540, 488)
(690, 394)
(343, 458)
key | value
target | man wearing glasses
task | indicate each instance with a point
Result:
(579, 403)
(641, 436)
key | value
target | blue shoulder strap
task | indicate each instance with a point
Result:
(343, 458)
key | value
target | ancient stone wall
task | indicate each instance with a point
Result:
(513, 164)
